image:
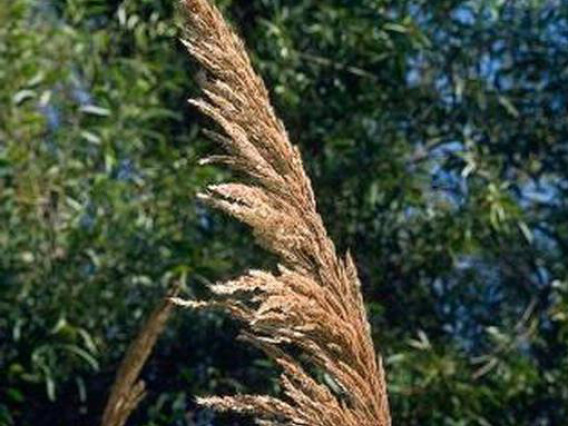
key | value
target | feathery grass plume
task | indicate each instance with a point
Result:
(127, 391)
(313, 304)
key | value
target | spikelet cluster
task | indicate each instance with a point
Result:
(312, 306)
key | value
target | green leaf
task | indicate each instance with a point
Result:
(95, 110)
(397, 28)
(509, 106)
(91, 137)
(23, 95)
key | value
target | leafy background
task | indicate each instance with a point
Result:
(436, 136)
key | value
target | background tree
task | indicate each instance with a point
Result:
(435, 134)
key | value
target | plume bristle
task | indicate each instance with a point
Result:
(314, 302)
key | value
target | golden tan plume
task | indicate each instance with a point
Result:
(313, 303)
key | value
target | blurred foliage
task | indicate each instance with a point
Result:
(435, 133)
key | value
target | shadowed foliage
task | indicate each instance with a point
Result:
(435, 136)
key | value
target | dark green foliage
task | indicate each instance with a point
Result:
(435, 133)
